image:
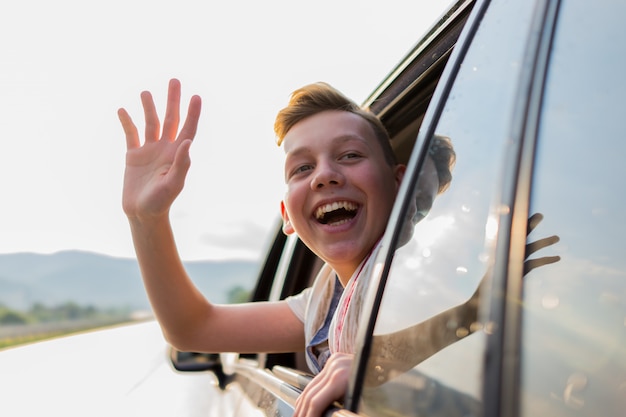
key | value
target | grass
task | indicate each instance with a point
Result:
(41, 335)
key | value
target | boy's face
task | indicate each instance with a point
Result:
(340, 189)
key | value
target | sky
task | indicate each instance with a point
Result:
(68, 65)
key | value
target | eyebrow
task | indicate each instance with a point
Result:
(339, 139)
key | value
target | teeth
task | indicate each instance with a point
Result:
(327, 208)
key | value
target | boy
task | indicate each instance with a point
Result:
(342, 179)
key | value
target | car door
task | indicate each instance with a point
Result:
(475, 94)
(546, 340)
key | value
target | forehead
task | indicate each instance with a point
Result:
(326, 127)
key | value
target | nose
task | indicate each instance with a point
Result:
(326, 174)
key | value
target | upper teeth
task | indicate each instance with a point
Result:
(327, 208)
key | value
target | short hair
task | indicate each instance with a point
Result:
(444, 157)
(318, 97)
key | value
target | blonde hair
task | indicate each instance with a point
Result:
(318, 97)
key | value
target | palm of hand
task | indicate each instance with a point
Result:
(153, 177)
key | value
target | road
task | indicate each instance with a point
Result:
(121, 371)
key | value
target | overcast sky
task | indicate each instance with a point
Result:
(68, 65)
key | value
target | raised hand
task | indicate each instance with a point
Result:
(155, 171)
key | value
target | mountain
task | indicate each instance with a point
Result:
(103, 281)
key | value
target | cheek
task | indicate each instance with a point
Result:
(293, 203)
(291, 195)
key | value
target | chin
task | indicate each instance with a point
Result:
(344, 253)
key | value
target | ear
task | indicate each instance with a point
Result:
(287, 227)
(399, 172)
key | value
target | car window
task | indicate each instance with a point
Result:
(573, 357)
(440, 262)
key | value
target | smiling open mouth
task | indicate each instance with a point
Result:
(336, 213)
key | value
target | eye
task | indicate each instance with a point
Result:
(301, 168)
(350, 155)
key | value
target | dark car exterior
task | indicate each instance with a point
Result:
(531, 94)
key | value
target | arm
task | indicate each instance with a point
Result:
(154, 176)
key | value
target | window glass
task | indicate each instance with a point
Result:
(428, 347)
(573, 357)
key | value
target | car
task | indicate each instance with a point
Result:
(531, 94)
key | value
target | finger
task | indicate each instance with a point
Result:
(329, 386)
(533, 221)
(193, 116)
(304, 399)
(332, 389)
(152, 119)
(305, 403)
(172, 111)
(531, 264)
(540, 244)
(130, 130)
(181, 165)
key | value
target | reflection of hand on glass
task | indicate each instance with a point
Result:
(532, 247)
(400, 351)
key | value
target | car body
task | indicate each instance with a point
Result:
(531, 94)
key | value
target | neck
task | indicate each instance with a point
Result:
(344, 275)
(346, 270)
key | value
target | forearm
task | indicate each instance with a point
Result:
(179, 307)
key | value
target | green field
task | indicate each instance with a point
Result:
(11, 336)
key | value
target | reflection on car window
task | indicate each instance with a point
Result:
(435, 368)
(573, 358)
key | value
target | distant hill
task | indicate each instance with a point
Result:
(103, 281)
